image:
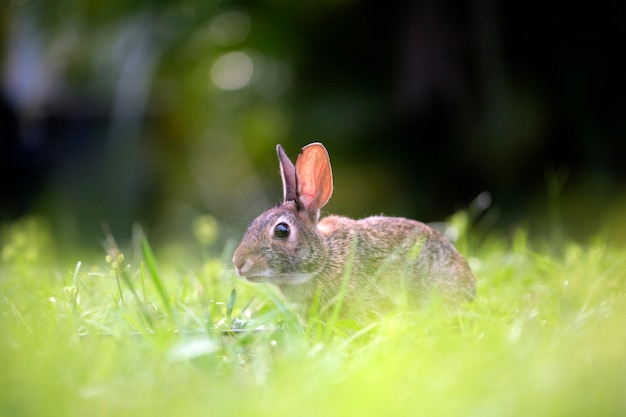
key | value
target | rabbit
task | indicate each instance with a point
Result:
(363, 267)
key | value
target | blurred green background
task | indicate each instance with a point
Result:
(158, 112)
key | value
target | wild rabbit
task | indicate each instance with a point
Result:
(368, 265)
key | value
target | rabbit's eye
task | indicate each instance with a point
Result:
(281, 230)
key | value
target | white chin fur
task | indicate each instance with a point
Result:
(268, 276)
(257, 276)
(298, 278)
(248, 271)
(295, 278)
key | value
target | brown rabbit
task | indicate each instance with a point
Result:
(368, 265)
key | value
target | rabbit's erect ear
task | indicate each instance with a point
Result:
(288, 174)
(314, 178)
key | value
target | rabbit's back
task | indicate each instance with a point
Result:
(393, 257)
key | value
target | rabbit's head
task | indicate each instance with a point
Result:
(283, 244)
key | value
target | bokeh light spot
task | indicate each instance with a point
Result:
(232, 71)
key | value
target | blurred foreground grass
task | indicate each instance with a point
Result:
(157, 335)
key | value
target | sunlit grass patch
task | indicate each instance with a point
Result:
(152, 334)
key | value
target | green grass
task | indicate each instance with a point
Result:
(154, 334)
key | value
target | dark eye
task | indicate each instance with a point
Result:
(281, 230)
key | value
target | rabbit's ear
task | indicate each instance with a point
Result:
(314, 178)
(288, 174)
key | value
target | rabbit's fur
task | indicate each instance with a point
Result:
(368, 265)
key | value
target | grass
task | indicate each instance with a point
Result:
(160, 334)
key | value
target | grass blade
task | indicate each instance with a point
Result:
(150, 262)
(231, 304)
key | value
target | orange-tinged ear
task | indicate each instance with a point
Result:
(314, 178)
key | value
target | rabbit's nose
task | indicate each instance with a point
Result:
(242, 267)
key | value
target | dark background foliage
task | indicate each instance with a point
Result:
(157, 112)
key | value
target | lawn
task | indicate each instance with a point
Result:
(170, 331)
